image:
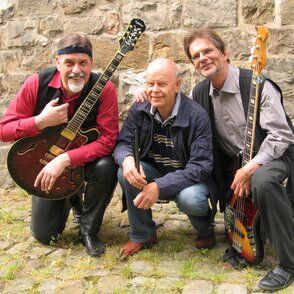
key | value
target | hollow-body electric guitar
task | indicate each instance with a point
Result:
(28, 156)
(241, 215)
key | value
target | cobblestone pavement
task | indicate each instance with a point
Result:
(172, 266)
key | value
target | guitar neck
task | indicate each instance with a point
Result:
(127, 42)
(251, 122)
(77, 120)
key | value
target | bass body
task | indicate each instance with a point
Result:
(28, 156)
(242, 225)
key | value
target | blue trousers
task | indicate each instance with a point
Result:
(193, 201)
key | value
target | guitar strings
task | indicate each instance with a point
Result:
(238, 215)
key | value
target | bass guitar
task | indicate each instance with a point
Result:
(28, 156)
(241, 216)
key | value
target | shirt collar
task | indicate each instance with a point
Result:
(57, 84)
(154, 112)
(56, 81)
(231, 84)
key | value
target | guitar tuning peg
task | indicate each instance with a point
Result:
(252, 50)
(250, 58)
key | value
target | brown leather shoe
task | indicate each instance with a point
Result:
(131, 248)
(206, 242)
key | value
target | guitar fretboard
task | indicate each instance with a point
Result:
(77, 120)
(251, 122)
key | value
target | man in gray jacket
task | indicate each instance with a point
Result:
(175, 153)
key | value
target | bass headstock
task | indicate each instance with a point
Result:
(258, 51)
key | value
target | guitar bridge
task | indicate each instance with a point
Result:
(237, 246)
(43, 162)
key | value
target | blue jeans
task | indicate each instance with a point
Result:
(193, 201)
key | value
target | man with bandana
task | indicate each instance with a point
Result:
(50, 98)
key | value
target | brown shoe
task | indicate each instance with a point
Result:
(131, 248)
(206, 242)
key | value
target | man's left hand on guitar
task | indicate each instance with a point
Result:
(242, 180)
(53, 169)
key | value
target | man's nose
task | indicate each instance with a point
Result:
(76, 68)
(202, 55)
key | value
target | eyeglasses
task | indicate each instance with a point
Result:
(206, 52)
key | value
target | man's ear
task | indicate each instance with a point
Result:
(226, 56)
(178, 84)
(57, 63)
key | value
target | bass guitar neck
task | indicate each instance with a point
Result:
(242, 222)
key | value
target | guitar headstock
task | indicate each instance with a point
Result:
(258, 57)
(128, 40)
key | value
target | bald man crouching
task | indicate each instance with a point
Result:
(175, 159)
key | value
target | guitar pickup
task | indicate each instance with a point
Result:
(56, 150)
(68, 134)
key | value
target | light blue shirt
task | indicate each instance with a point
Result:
(231, 123)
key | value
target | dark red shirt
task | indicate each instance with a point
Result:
(19, 120)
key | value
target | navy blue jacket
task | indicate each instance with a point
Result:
(191, 136)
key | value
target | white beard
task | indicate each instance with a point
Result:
(74, 87)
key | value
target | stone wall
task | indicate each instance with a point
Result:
(29, 30)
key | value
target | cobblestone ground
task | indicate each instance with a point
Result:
(173, 266)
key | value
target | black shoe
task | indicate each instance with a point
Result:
(94, 246)
(278, 278)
